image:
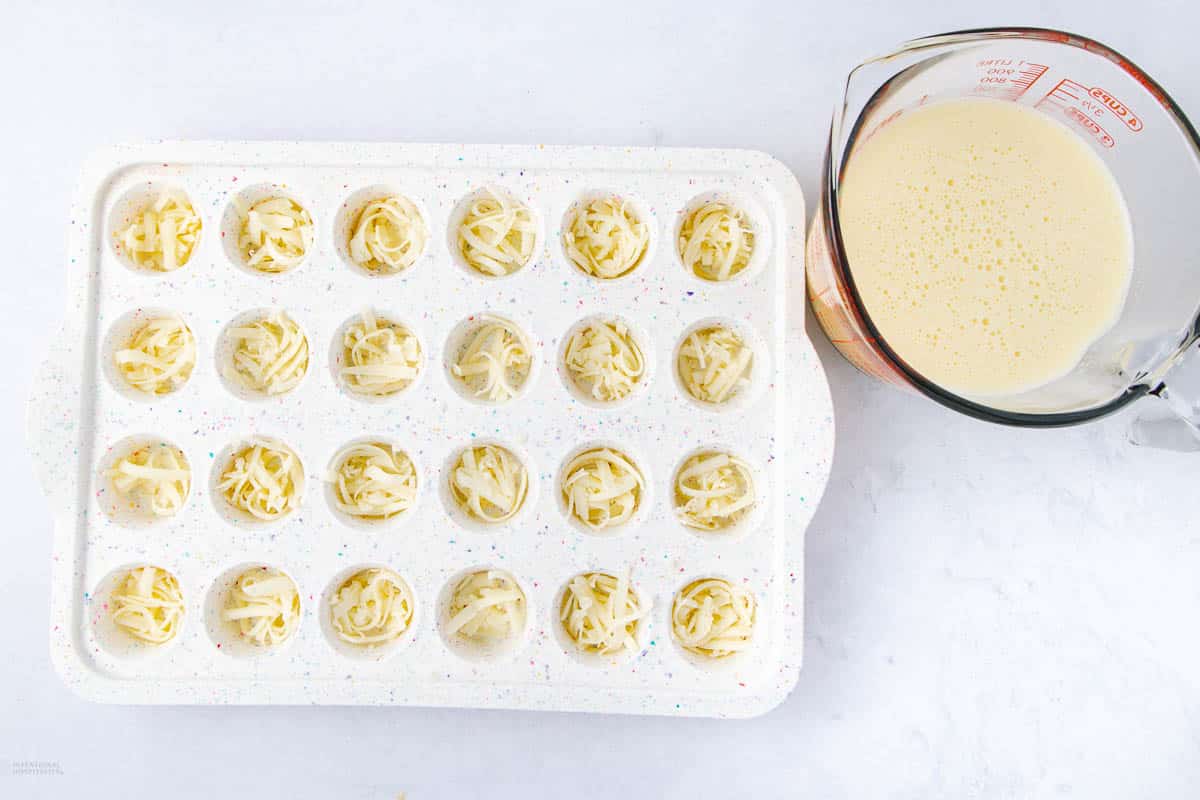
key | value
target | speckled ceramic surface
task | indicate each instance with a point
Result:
(79, 418)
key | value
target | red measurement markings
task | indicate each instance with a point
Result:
(1007, 77)
(1086, 105)
(1028, 75)
(1064, 94)
(882, 124)
(1090, 125)
(1118, 109)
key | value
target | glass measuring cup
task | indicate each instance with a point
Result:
(1153, 152)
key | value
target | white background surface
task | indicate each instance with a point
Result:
(990, 613)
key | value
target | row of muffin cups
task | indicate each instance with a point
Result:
(225, 637)
(143, 194)
(134, 512)
(125, 326)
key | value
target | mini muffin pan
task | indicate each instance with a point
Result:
(81, 418)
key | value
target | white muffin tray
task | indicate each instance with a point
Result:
(79, 418)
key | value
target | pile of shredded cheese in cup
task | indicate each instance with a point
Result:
(264, 604)
(156, 477)
(264, 479)
(486, 607)
(489, 483)
(714, 364)
(276, 233)
(159, 356)
(713, 618)
(373, 480)
(716, 241)
(388, 235)
(372, 607)
(602, 488)
(163, 234)
(604, 360)
(601, 614)
(496, 236)
(605, 238)
(268, 356)
(148, 605)
(495, 361)
(379, 357)
(713, 491)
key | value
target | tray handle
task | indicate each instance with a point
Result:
(52, 423)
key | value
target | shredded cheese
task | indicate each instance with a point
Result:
(373, 480)
(713, 491)
(602, 488)
(601, 614)
(156, 477)
(486, 607)
(148, 605)
(495, 361)
(379, 357)
(714, 364)
(268, 355)
(489, 483)
(158, 357)
(276, 233)
(163, 234)
(713, 618)
(604, 360)
(497, 234)
(388, 235)
(716, 241)
(605, 238)
(264, 604)
(372, 607)
(263, 479)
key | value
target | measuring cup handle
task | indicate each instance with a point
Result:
(1173, 424)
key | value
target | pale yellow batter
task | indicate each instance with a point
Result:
(989, 244)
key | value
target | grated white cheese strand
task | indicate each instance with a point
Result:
(373, 480)
(496, 236)
(713, 491)
(713, 618)
(379, 357)
(156, 477)
(372, 607)
(159, 356)
(486, 607)
(489, 483)
(602, 488)
(716, 241)
(495, 361)
(601, 613)
(264, 603)
(714, 364)
(605, 238)
(604, 360)
(275, 235)
(264, 479)
(388, 235)
(148, 605)
(163, 234)
(268, 355)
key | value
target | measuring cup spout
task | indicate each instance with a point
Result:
(1175, 423)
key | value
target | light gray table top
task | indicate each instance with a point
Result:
(990, 612)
